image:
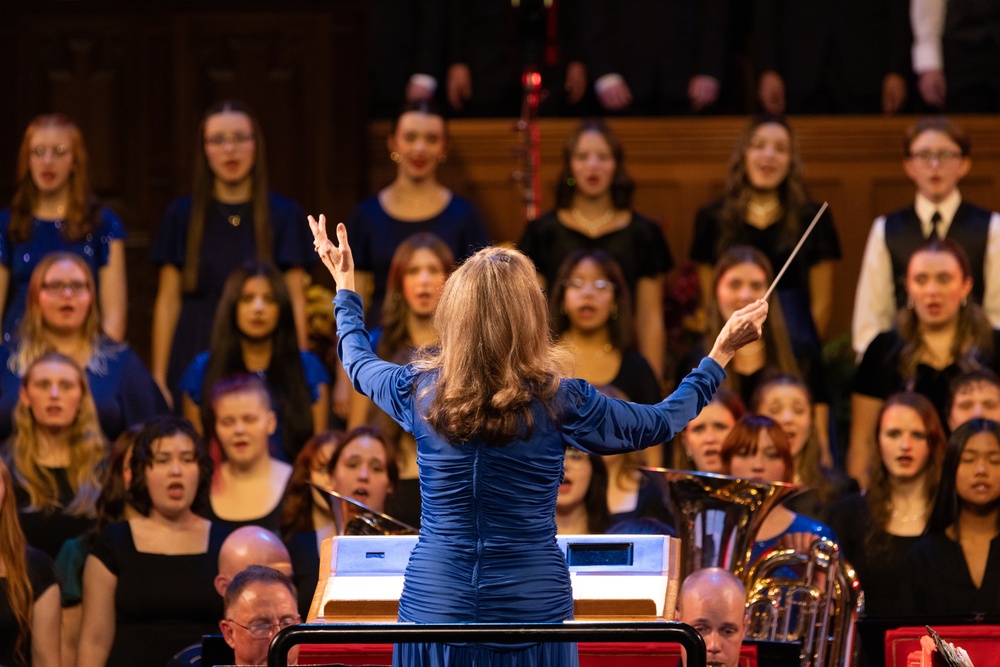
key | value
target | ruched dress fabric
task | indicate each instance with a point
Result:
(487, 551)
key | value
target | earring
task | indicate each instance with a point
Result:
(614, 313)
(397, 297)
(689, 455)
(909, 304)
(965, 301)
(562, 309)
(442, 158)
(395, 157)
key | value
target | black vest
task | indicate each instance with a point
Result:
(969, 229)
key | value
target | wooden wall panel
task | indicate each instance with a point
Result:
(854, 163)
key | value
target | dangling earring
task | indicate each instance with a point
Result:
(395, 157)
(965, 301)
(614, 313)
(397, 297)
(909, 304)
(689, 454)
(442, 158)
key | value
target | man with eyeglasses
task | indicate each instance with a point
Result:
(937, 158)
(259, 602)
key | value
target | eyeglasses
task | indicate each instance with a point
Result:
(74, 287)
(56, 151)
(599, 284)
(942, 157)
(238, 140)
(265, 630)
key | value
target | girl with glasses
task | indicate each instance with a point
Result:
(54, 209)
(62, 315)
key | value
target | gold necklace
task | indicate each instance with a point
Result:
(763, 210)
(234, 218)
(593, 224)
(910, 518)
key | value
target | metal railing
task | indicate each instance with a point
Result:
(496, 633)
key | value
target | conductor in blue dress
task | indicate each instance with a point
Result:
(492, 412)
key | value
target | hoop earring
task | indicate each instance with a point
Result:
(395, 157)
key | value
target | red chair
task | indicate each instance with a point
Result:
(981, 642)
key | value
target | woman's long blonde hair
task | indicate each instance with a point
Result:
(33, 340)
(496, 355)
(88, 449)
(14, 559)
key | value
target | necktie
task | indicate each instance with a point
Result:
(936, 222)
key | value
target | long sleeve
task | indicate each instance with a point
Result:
(875, 298)
(991, 272)
(927, 21)
(390, 386)
(595, 423)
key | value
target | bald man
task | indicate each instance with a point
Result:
(713, 602)
(250, 545)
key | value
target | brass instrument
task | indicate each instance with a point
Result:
(354, 518)
(814, 598)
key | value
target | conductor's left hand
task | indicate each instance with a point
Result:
(338, 260)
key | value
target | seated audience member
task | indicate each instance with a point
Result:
(878, 528)
(249, 483)
(306, 516)
(758, 449)
(254, 332)
(713, 601)
(148, 582)
(955, 568)
(936, 159)
(701, 440)
(974, 394)
(62, 316)
(940, 334)
(582, 504)
(419, 268)
(246, 546)
(56, 453)
(786, 400)
(259, 602)
(765, 206)
(29, 592)
(741, 276)
(594, 212)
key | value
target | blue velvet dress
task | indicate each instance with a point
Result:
(22, 257)
(487, 551)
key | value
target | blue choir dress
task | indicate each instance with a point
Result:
(487, 551)
(224, 248)
(22, 257)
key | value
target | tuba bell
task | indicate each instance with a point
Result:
(812, 598)
(354, 518)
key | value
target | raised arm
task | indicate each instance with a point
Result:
(338, 260)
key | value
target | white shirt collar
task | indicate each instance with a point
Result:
(925, 211)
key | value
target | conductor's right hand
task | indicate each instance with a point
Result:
(745, 326)
(338, 260)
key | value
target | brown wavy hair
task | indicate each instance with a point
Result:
(202, 192)
(737, 189)
(973, 342)
(496, 356)
(14, 558)
(33, 338)
(724, 397)
(297, 505)
(879, 494)
(82, 214)
(395, 335)
(88, 449)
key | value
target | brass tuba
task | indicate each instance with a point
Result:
(812, 598)
(353, 518)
